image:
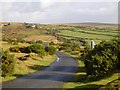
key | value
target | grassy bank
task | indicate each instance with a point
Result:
(80, 81)
(33, 63)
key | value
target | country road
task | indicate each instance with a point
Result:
(53, 76)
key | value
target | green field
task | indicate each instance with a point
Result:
(88, 35)
(97, 32)
(86, 31)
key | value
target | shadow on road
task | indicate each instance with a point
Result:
(56, 73)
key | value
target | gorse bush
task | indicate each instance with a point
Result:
(68, 46)
(39, 41)
(7, 63)
(37, 48)
(51, 43)
(14, 49)
(103, 58)
(24, 49)
(50, 49)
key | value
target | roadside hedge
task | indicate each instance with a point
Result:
(103, 58)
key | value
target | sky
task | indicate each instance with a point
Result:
(59, 11)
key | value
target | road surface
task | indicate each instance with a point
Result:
(53, 76)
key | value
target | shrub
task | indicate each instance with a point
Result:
(39, 41)
(51, 43)
(37, 48)
(14, 49)
(24, 49)
(68, 46)
(7, 63)
(103, 58)
(50, 49)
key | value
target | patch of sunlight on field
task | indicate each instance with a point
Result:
(85, 35)
(93, 84)
(5, 45)
(44, 38)
(30, 32)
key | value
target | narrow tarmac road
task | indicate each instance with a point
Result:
(61, 70)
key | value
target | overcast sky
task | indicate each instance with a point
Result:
(54, 11)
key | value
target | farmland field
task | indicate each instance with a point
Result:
(88, 32)
(89, 35)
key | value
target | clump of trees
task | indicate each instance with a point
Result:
(7, 63)
(103, 58)
(35, 48)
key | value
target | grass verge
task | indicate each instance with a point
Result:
(81, 83)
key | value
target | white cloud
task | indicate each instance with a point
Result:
(47, 3)
(60, 0)
(50, 11)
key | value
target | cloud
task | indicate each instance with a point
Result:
(54, 11)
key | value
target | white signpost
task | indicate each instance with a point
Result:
(92, 44)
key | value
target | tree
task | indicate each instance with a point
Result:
(7, 63)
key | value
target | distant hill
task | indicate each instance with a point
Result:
(75, 24)
(100, 25)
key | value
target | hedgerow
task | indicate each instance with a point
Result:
(103, 58)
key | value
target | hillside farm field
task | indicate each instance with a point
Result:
(88, 35)
(88, 32)
(53, 32)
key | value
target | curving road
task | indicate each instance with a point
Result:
(61, 70)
